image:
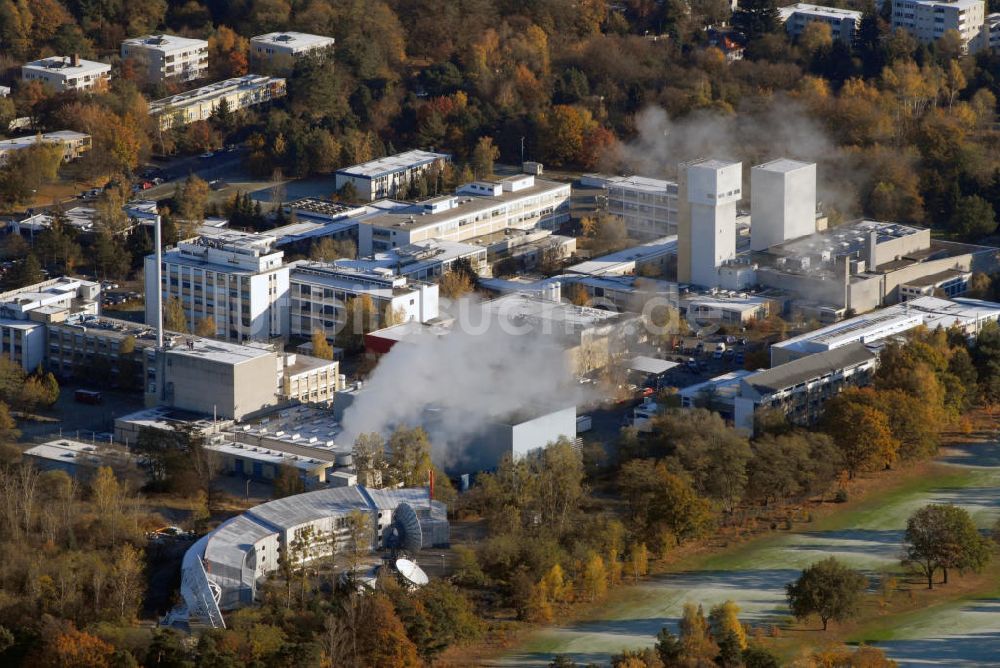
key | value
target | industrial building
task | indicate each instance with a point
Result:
(390, 176)
(81, 460)
(969, 315)
(706, 235)
(653, 257)
(647, 206)
(475, 210)
(161, 58)
(736, 309)
(277, 46)
(264, 464)
(928, 20)
(233, 279)
(843, 22)
(64, 73)
(74, 144)
(222, 570)
(321, 293)
(199, 104)
(25, 312)
(782, 202)
(517, 436)
(798, 389)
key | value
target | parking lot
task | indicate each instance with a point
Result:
(84, 421)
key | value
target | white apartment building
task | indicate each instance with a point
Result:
(648, 206)
(321, 292)
(782, 202)
(161, 58)
(476, 210)
(287, 45)
(309, 380)
(234, 279)
(74, 144)
(199, 104)
(928, 20)
(63, 73)
(389, 176)
(706, 234)
(843, 22)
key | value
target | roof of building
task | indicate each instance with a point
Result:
(413, 330)
(298, 41)
(65, 65)
(641, 183)
(222, 352)
(270, 456)
(818, 10)
(379, 283)
(624, 261)
(164, 42)
(49, 137)
(414, 258)
(415, 216)
(69, 451)
(785, 165)
(393, 163)
(533, 307)
(211, 91)
(713, 163)
(940, 277)
(810, 367)
(724, 386)
(652, 365)
(168, 418)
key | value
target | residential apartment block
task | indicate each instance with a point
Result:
(275, 46)
(162, 58)
(389, 176)
(475, 210)
(321, 293)
(74, 144)
(233, 279)
(843, 22)
(928, 20)
(63, 73)
(199, 104)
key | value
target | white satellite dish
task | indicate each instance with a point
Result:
(411, 572)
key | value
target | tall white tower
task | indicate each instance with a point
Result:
(706, 232)
(782, 202)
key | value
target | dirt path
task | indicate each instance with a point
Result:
(867, 537)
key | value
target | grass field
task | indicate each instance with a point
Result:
(962, 630)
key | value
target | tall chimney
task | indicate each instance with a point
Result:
(158, 242)
(76, 60)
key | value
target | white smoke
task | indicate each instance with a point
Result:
(478, 373)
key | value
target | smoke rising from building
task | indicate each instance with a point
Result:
(456, 384)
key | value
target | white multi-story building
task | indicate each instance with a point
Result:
(389, 176)
(928, 20)
(199, 104)
(647, 206)
(782, 202)
(290, 45)
(63, 73)
(162, 58)
(424, 260)
(843, 22)
(322, 293)
(233, 279)
(74, 144)
(706, 234)
(476, 209)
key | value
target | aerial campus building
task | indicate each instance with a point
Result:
(224, 568)
(199, 104)
(67, 73)
(162, 58)
(843, 22)
(289, 45)
(389, 176)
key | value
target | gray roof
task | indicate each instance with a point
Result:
(228, 544)
(294, 510)
(807, 368)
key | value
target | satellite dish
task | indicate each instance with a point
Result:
(406, 528)
(412, 573)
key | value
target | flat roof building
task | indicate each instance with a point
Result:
(476, 210)
(63, 73)
(236, 280)
(928, 20)
(81, 460)
(74, 144)
(390, 176)
(647, 206)
(843, 22)
(650, 257)
(289, 45)
(782, 202)
(422, 260)
(706, 235)
(162, 58)
(199, 104)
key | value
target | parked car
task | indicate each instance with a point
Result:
(206, 154)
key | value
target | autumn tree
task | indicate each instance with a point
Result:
(862, 434)
(409, 456)
(943, 537)
(369, 459)
(662, 503)
(328, 249)
(191, 199)
(321, 348)
(827, 589)
(454, 285)
(483, 157)
(174, 317)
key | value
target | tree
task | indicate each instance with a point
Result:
(369, 458)
(827, 589)
(662, 503)
(26, 272)
(944, 537)
(174, 317)
(288, 482)
(724, 620)
(191, 199)
(755, 18)
(697, 646)
(127, 582)
(974, 218)
(321, 348)
(76, 649)
(595, 578)
(454, 285)
(861, 433)
(409, 456)
(328, 249)
(359, 538)
(483, 157)
(205, 327)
